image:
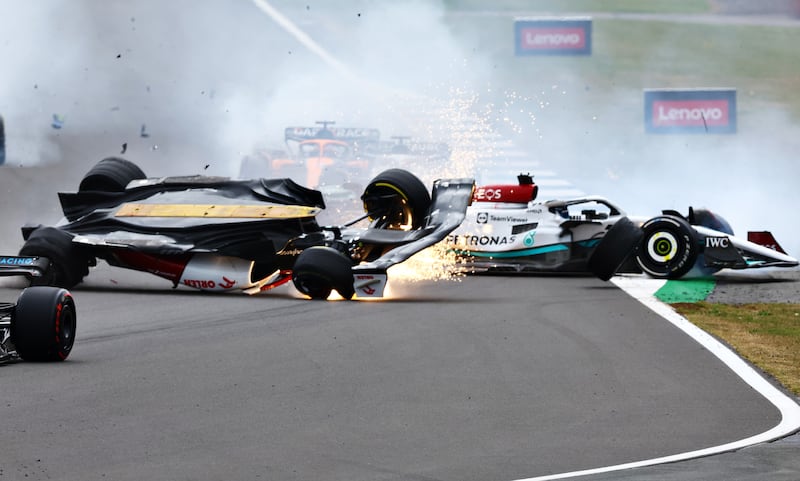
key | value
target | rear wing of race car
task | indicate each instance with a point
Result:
(449, 201)
(362, 140)
(345, 134)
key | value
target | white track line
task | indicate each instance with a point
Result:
(642, 289)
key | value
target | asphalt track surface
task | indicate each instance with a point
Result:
(481, 378)
(485, 378)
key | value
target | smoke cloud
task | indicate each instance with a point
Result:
(187, 87)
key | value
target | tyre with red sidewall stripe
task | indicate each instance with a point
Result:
(43, 324)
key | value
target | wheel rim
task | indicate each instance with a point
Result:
(662, 247)
(392, 212)
(66, 328)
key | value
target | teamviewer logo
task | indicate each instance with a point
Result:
(482, 218)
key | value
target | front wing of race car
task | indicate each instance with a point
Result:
(448, 208)
(726, 251)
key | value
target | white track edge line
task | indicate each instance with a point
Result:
(642, 289)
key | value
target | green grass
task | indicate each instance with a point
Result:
(628, 56)
(767, 335)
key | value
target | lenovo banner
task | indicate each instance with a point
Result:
(553, 36)
(711, 111)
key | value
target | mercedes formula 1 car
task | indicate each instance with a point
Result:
(507, 230)
(218, 234)
(40, 326)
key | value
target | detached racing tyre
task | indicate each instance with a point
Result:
(614, 248)
(111, 174)
(319, 270)
(69, 263)
(669, 248)
(43, 324)
(396, 199)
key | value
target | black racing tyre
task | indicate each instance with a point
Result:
(669, 247)
(396, 199)
(111, 174)
(43, 324)
(69, 263)
(319, 270)
(614, 248)
(706, 218)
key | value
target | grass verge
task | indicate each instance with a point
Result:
(767, 335)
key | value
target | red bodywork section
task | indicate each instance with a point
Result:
(168, 267)
(514, 194)
(766, 239)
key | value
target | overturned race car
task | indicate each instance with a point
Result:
(219, 234)
(507, 230)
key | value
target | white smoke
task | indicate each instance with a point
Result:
(209, 82)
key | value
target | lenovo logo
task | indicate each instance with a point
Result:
(690, 111)
(553, 36)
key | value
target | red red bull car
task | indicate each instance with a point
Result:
(219, 234)
(508, 230)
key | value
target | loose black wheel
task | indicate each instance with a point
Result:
(396, 199)
(616, 245)
(669, 247)
(43, 324)
(69, 263)
(111, 174)
(319, 270)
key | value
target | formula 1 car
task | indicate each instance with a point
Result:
(218, 234)
(324, 157)
(507, 230)
(40, 326)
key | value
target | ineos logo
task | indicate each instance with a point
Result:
(489, 194)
